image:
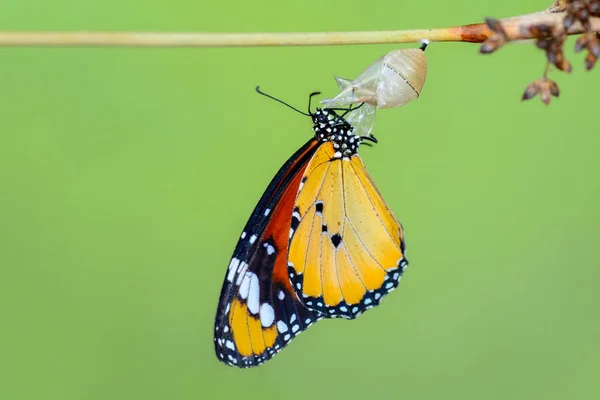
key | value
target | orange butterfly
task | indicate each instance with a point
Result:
(321, 243)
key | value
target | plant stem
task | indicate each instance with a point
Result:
(474, 33)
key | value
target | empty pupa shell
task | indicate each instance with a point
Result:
(361, 118)
(391, 81)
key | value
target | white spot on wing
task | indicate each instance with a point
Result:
(243, 235)
(281, 295)
(267, 211)
(270, 249)
(281, 327)
(267, 315)
(245, 286)
(232, 268)
(252, 239)
(254, 294)
(241, 266)
(241, 273)
(229, 344)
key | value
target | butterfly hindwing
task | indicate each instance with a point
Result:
(346, 250)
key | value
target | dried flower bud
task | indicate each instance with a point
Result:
(497, 39)
(554, 91)
(551, 39)
(591, 42)
(495, 25)
(580, 44)
(590, 61)
(541, 31)
(492, 44)
(531, 91)
(544, 87)
(581, 10)
(568, 21)
(588, 41)
(559, 61)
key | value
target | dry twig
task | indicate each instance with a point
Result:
(473, 33)
(550, 37)
(549, 28)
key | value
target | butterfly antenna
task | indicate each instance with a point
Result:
(282, 102)
(424, 44)
(310, 96)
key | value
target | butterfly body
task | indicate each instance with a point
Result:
(320, 243)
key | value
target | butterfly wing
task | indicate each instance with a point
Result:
(258, 312)
(346, 249)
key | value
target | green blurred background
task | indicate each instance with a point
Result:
(127, 176)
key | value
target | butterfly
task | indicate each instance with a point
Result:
(320, 243)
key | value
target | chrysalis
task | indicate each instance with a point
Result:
(391, 81)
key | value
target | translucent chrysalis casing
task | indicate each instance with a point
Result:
(391, 81)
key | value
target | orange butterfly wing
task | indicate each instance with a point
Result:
(258, 312)
(346, 248)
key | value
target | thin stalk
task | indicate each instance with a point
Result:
(473, 33)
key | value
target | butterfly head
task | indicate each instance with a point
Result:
(331, 127)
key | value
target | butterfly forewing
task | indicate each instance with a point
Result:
(258, 311)
(346, 250)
